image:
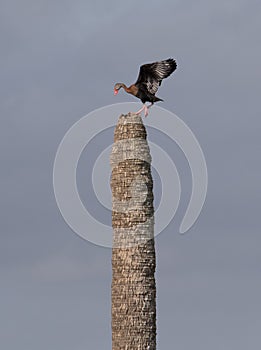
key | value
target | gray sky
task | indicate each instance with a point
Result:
(59, 61)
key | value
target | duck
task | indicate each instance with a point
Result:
(149, 79)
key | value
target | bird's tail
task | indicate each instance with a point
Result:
(156, 99)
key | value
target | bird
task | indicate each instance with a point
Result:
(149, 79)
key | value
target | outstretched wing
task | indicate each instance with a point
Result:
(151, 74)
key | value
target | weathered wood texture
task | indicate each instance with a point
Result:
(133, 254)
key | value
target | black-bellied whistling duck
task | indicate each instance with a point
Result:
(148, 82)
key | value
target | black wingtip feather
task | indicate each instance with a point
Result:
(173, 63)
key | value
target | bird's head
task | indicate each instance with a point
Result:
(117, 87)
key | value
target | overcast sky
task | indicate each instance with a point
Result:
(59, 61)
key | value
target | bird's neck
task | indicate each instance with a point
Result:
(122, 85)
(131, 89)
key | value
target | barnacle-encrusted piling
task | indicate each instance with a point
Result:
(133, 254)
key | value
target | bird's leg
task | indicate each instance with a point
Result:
(146, 108)
(146, 111)
(140, 110)
(150, 105)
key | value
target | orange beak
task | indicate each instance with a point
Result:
(116, 92)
